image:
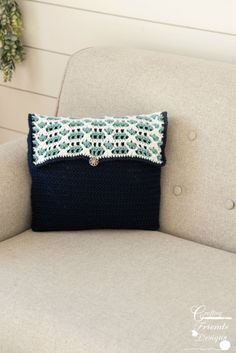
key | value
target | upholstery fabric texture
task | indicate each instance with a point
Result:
(110, 291)
(15, 210)
(122, 190)
(200, 97)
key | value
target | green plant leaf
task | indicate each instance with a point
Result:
(12, 50)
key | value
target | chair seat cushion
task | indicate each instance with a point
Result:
(112, 291)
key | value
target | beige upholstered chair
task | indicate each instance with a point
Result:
(131, 291)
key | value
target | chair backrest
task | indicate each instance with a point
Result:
(199, 179)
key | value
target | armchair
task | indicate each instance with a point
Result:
(131, 291)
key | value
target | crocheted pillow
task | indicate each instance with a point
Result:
(96, 172)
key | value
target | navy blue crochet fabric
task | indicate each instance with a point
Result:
(70, 194)
(118, 194)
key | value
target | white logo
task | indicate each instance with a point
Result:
(209, 331)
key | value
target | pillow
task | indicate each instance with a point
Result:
(96, 172)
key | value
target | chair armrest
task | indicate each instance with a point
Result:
(15, 184)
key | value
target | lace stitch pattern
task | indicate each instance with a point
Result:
(139, 136)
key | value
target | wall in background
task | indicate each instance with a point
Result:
(54, 29)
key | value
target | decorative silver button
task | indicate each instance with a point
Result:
(177, 190)
(93, 161)
(229, 204)
(192, 135)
